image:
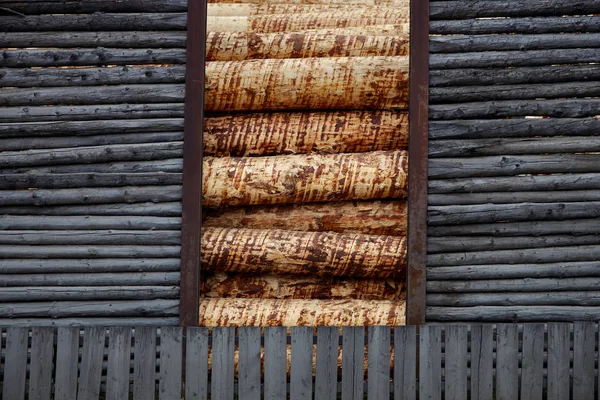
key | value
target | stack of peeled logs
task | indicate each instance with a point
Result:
(305, 169)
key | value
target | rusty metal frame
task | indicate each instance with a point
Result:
(192, 164)
(417, 164)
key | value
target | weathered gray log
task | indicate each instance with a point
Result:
(514, 285)
(509, 165)
(92, 279)
(85, 322)
(516, 127)
(516, 25)
(165, 93)
(87, 223)
(487, 243)
(171, 166)
(172, 209)
(54, 181)
(85, 251)
(107, 237)
(96, 22)
(514, 299)
(166, 40)
(515, 271)
(91, 308)
(516, 183)
(534, 228)
(514, 92)
(91, 6)
(440, 10)
(87, 266)
(554, 196)
(516, 256)
(513, 313)
(78, 293)
(89, 128)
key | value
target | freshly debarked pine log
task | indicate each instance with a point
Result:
(312, 83)
(302, 253)
(366, 217)
(304, 178)
(267, 312)
(261, 134)
(370, 30)
(267, 8)
(228, 46)
(221, 285)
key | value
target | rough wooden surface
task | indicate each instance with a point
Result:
(119, 39)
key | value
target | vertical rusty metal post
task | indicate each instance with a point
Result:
(192, 164)
(417, 164)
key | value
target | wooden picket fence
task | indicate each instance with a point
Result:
(507, 361)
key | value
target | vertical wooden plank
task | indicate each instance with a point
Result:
(171, 348)
(196, 364)
(144, 363)
(482, 362)
(378, 353)
(249, 363)
(40, 368)
(353, 358)
(15, 367)
(559, 361)
(91, 363)
(275, 363)
(117, 372)
(223, 340)
(67, 349)
(507, 362)
(430, 362)
(583, 360)
(301, 363)
(327, 356)
(456, 362)
(532, 369)
(405, 363)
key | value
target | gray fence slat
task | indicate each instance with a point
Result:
(223, 340)
(91, 363)
(119, 354)
(353, 358)
(196, 364)
(507, 362)
(327, 357)
(301, 363)
(40, 375)
(482, 362)
(532, 369)
(275, 363)
(405, 363)
(430, 362)
(583, 360)
(559, 361)
(378, 363)
(456, 362)
(67, 349)
(15, 366)
(171, 347)
(144, 363)
(249, 363)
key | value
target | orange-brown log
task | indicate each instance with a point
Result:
(388, 217)
(249, 9)
(303, 253)
(237, 181)
(263, 134)
(237, 46)
(365, 83)
(221, 285)
(275, 312)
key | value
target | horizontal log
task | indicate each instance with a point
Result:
(516, 271)
(366, 217)
(302, 253)
(262, 312)
(516, 127)
(513, 165)
(514, 285)
(342, 2)
(533, 25)
(293, 287)
(304, 178)
(86, 223)
(166, 40)
(261, 134)
(106, 237)
(470, 243)
(92, 279)
(532, 228)
(487, 213)
(513, 313)
(52, 181)
(87, 322)
(87, 251)
(249, 9)
(317, 83)
(91, 308)
(554, 196)
(88, 266)
(514, 299)
(394, 29)
(174, 165)
(79, 293)
(171, 209)
(92, 6)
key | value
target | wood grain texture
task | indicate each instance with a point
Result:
(583, 360)
(40, 371)
(327, 363)
(301, 364)
(144, 363)
(170, 378)
(16, 369)
(430, 362)
(507, 367)
(222, 381)
(482, 369)
(532, 369)
(91, 363)
(405, 356)
(119, 39)
(455, 367)
(67, 351)
(559, 361)
(275, 362)
(353, 355)
(378, 387)
(513, 313)
(119, 354)
(196, 363)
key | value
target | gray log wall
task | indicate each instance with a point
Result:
(91, 148)
(514, 171)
